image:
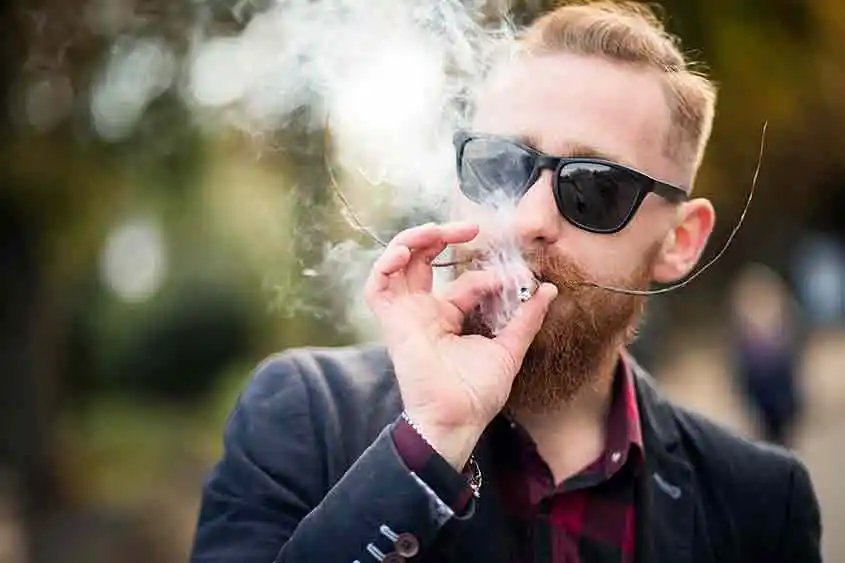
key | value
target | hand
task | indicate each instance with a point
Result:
(451, 385)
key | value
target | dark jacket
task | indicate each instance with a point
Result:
(310, 474)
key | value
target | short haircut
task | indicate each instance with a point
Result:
(632, 33)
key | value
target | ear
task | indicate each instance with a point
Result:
(684, 243)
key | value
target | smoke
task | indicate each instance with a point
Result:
(389, 80)
(498, 250)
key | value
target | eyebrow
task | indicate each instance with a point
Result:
(572, 150)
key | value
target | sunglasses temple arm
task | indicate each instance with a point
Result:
(646, 292)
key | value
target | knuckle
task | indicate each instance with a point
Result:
(415, 230)
(413, 234)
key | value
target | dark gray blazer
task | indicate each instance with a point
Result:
(310, 475)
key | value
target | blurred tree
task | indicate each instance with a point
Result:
(26, 341)
(62, 187)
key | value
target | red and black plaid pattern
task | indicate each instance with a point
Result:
(589, 518)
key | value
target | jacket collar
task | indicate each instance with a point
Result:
(667, 490)
(657, 418)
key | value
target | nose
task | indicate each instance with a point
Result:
(537, 222)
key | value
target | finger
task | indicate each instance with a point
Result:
(425, 237)
(470, 288)
(428, 242)
(393, 260)
(516, 337)
(420, 270)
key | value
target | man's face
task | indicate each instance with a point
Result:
(569, 105)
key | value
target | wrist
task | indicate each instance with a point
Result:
(454, 444)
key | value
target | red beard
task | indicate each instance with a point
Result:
(584, 326)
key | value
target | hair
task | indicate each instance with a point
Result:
(632, 33)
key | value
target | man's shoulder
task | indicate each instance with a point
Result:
(755, 495)
(726, 448)
(740, 481)
(343, 385)
(705, 439)
(361, 365)
(729, 465)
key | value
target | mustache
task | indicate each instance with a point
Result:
(546, 267)
(555, 269)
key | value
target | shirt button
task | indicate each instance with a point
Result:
(407, 545)
(393, 558)
(615, 457)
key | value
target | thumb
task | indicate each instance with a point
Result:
(517, 336)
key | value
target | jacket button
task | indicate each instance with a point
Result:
(393, 557)
(407, 545)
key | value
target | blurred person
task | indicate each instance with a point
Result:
(819, 271)
(766, 349)
(545, 442)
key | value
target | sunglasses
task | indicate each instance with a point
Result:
(593, 194)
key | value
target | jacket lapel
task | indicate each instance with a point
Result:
(666, 512)
(666, 490)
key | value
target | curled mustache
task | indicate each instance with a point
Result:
(547, 268)
(557, 270)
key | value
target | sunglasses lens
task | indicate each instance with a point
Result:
(494, 168)
(596, 196)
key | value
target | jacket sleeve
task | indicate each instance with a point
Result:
(801, 536)
(268, 500)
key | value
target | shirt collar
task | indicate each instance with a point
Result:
(624, 439)
(624, 430)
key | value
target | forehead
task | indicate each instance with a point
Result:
(563, 101)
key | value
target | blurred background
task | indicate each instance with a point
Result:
(148, 261)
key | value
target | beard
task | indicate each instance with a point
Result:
(584, 327)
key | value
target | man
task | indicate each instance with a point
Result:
(545, 442)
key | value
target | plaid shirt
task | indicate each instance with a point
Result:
(589, 518)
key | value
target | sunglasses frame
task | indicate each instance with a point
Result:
(542, 161)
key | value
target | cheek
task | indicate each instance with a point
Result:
(651, 223)
(639, 243)
(615, 264)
